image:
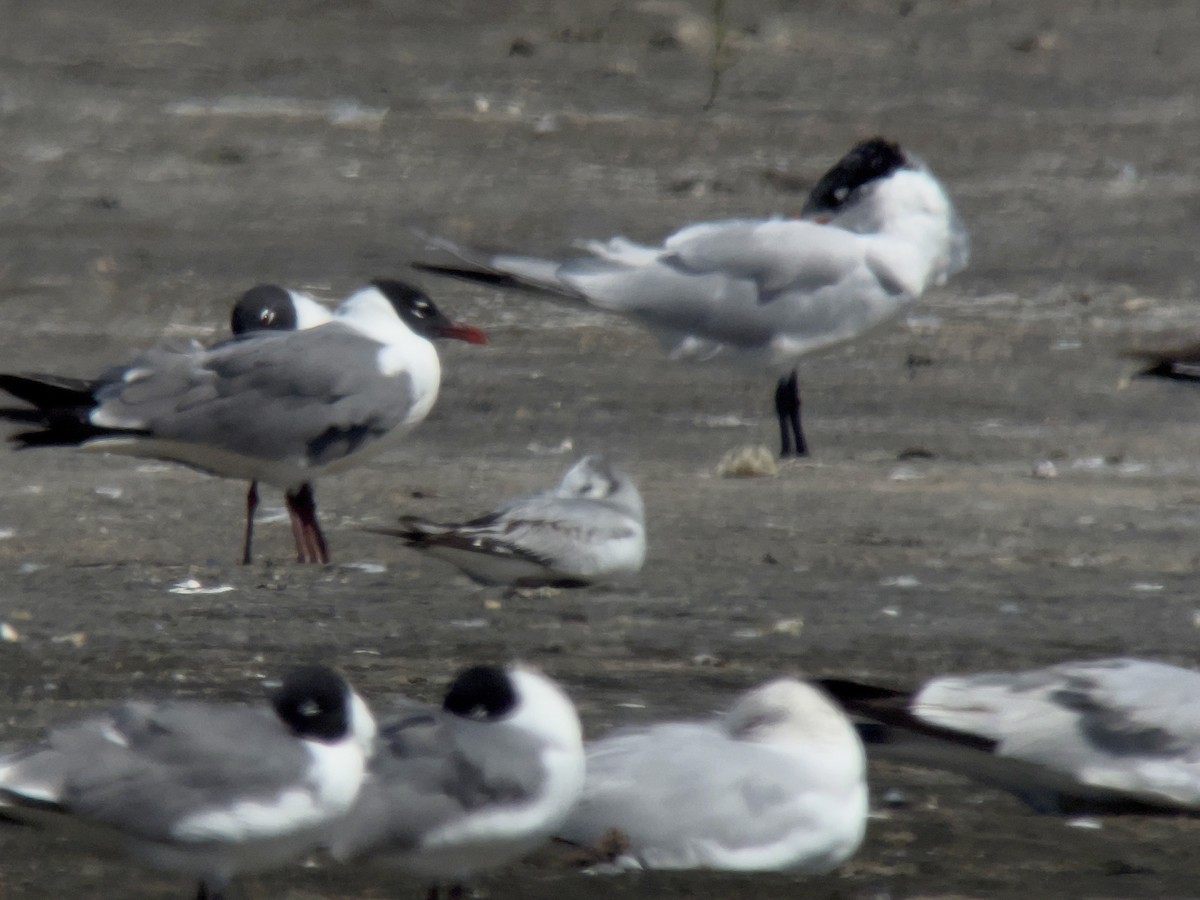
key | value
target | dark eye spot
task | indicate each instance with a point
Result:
(266, 317)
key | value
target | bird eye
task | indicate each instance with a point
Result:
(841, 193)
(310, 708)
(267, 316)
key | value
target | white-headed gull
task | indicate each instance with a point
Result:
(587, 528)
(200, 789)
(776, 783)
(877, 231)
(472, 785)
(275, 406)
(1100, 736)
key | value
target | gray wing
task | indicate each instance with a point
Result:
(745, 283)
(738, 283)
(432, 770)
(672, 785)
(313, 396)
(144, 767)
(1126, 724)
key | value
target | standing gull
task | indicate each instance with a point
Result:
(274, 406)
(877, 231)
(587, 528)
(472, 785)
(1104, 735)
(269, 307)
(776, 783)
(200, 789)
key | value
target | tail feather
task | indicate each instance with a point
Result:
(1177, 370)
(60, 410)
(49, 392)
(1181, 364)
(476, 276)
(411, 529)
(507, 271)
(891, 708)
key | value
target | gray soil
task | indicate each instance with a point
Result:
(158, 158)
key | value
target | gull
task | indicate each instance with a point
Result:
(876, 232)
(1094, 736)
(199, 789)
(472, 785)
(776, 783)
(587, 528)
(269, 307)
(274, 406)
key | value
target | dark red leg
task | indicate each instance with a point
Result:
(297, 528)
(251, 509)
(310, 543)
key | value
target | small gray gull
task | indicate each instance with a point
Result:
(269, 307)
(876, 232)
(472, 785)
(588, 528)
(199, 789)
(776, 783)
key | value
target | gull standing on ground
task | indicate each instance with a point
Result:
(1097, 736)
(472, 785)
(204, 790)
(273, 406)
(269, 307)
(776, 783)
(877, 231)
(588, 528)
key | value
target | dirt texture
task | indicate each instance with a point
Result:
(157, 159)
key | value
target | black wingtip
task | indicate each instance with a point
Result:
(409, 536)
(49, 392)
(1172, 369)
(476, 276)
(846, 691)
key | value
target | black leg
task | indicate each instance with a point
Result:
(311, 544)
(251, 509)
(787, 407)
(210, 893)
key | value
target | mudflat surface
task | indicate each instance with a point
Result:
(160, 158)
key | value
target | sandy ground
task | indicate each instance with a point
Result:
(159, 158)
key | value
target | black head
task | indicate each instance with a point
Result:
(314, 702)
(266, 307)
(417, 311)
(481, 692)
(868, 161)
